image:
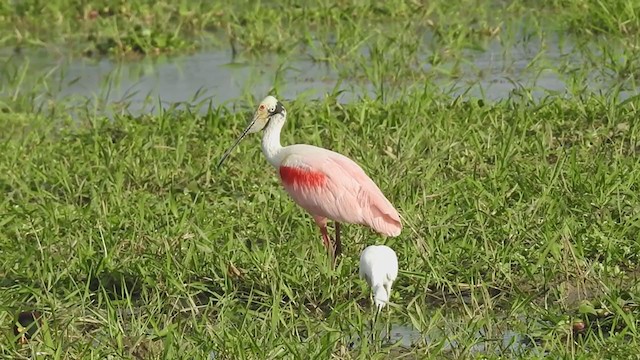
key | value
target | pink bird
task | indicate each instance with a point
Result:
(326, 184)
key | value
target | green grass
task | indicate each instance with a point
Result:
(521, 216)
(125, 236)
(147, 27)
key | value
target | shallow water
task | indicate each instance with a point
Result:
(544, 66)
(500, 339)
(508, 341)
(192, 79)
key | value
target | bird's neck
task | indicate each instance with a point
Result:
(271, 140)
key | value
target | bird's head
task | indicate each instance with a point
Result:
(380, 296)
(268, 108)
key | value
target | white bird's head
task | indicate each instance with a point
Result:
(380, 296)
(268, 108)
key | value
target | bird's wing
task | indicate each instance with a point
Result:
(392, 263)
(333, 186)
(392, 274)
(375, 197)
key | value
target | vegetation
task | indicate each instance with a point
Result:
(119, 27)
(521, 215)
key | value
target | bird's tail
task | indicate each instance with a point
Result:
(380, 296)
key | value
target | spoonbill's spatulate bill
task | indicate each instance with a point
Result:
(326, 184)
(379, 267)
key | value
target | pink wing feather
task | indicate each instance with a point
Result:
(331, 185)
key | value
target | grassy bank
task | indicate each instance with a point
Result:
(147, 27)
(130, 242)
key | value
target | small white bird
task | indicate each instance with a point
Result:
(379, 267)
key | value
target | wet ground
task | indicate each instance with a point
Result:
(500, 337)
(495, 342)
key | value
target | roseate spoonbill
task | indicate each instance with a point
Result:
(379, 267)
(326, 184)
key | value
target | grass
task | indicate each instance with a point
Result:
(136, 247)
(145, 27)
(521, 215)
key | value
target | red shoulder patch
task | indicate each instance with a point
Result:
(301, 177)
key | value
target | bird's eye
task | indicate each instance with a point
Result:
(272, 109)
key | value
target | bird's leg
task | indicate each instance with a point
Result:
(374, 322)
(322, 223)
(338, 244)
(326, 240)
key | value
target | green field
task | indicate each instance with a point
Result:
(521, 214)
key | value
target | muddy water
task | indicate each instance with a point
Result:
(144, 85)
(496, 72)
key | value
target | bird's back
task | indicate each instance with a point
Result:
(378, 264)
(340, 189)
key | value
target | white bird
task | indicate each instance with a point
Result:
(379, 267)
